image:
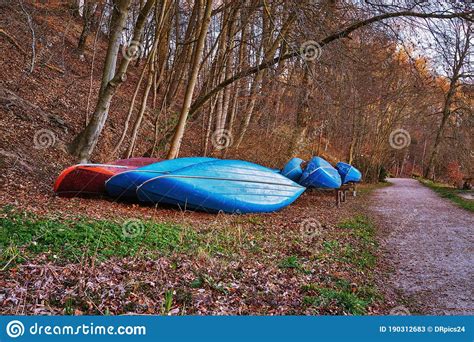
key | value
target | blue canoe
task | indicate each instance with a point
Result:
(348, 173)
(292, 169)
(230, 186)
(124, 185)
(320, 174)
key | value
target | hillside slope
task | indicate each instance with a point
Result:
(42, 108)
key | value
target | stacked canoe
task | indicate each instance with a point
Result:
(197, 183)
(319, 173)
(349, 174)
(202, 183)
(89, 179)
(124, 185)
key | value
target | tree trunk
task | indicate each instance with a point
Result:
(88, 12)
(152, 60)
(212, 107)
(84, 144)
(182, 55)
(429, 173)
(141, 112)
(303, 115)
(119, 19)
(269, 51)
(130, 111)
(178, 136)
(228, 69)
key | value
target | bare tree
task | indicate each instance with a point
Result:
(198, 49)
(453, 40)
(86, 141)
(89, 9)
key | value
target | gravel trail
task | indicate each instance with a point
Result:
(429, 242)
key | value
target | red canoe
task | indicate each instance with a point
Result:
(136, 162)
(89, 179)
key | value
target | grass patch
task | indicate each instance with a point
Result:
(339, 296)
(360, 251)
(330, 246)
(355, 249)
(446, 191)
(24, 235)
(290, 262)
(340, 301)
(204, 279)
(361, 228)
(362, 254)
(228, 237)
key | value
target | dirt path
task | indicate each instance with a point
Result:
(430, 244)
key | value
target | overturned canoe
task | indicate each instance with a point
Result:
(124, 185)
(89, 179)
(231, 186)
(293, 169)
(86, 179)
(137, 161)
(348, 173)
(320, 174)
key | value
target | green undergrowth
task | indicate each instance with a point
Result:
(354, 248)
(340, 299)
(355, 244)
(24, 235)
(449, 193)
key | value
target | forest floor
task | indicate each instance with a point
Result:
(386, 251)
(94, 256)
(429, 245)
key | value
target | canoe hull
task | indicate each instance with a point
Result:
(85, 179)
(89, 179)
(293, 170)
(137, 161)
(124, 185)
(320, 174)
(230, 186)
(348, 173)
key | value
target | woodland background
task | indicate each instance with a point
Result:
(385, 85)
(101, 80)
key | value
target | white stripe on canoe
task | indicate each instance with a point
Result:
(104, 165)
(130, 171)
(321, 167)
(293, 169)
(221, 178)
(231, 170)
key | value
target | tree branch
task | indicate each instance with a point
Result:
(338, 35)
